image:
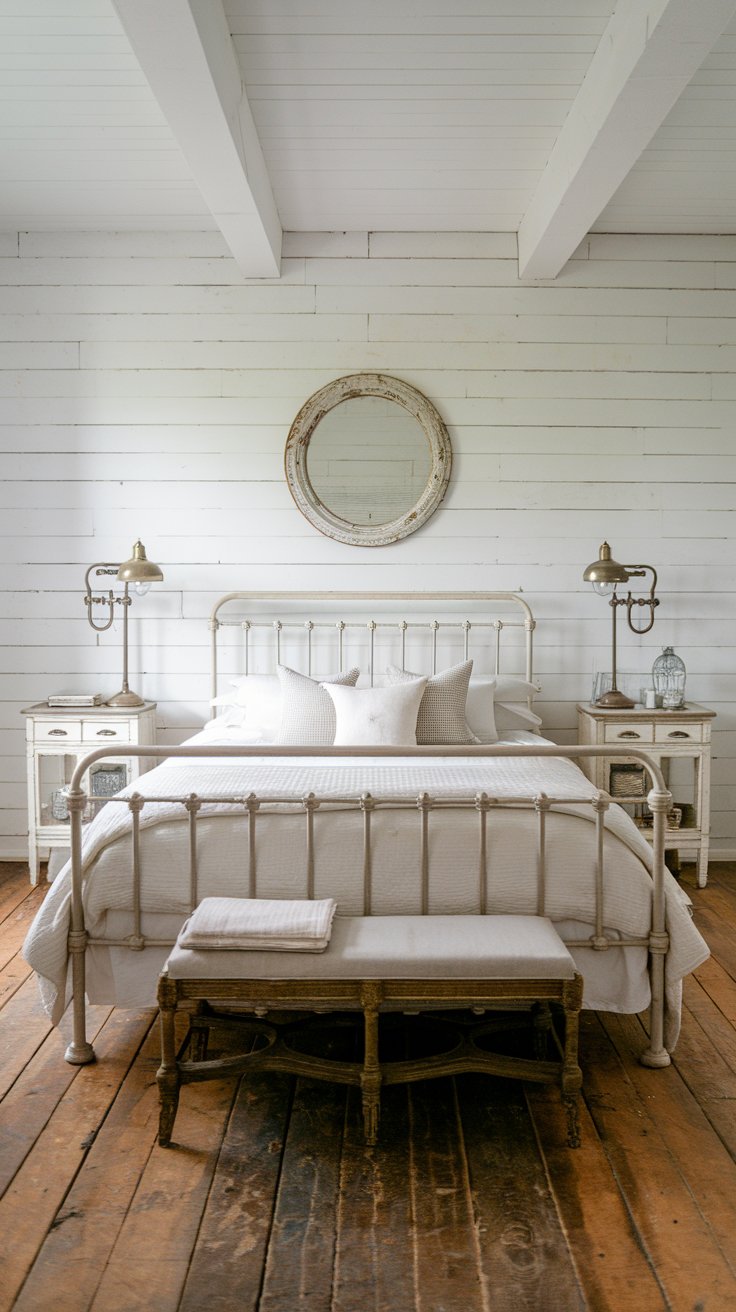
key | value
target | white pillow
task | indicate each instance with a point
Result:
(441, 717)
(307, 714)
(511, 689)
(377, 717)
(499, 705)
(257, 698)
(480, 711)
(511, 716)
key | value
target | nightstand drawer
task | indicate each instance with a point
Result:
(57, 731)
(632, 731)
(95, 732)
(678, 733)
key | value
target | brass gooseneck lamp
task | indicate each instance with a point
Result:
(605, 574)
(141, 573)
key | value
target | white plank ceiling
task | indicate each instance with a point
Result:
(394, 115)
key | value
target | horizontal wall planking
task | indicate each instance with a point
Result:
(72, 630)
(14, 794)
(467, 468)
(50, 522)
(468, 439)
(9, 244)
(621, 526)
(126, 407)
(251, 298)
(327, 245)
(433, 245)
(383, 296)
(516, 356)
(455, 276)
(641, 246)
(159, 271)
(279, 385)
(512, 326)
(701, 330)
(257, 328)
(265, 438)
(39, 355)
(154, 245)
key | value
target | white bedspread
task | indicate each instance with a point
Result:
(396, 883)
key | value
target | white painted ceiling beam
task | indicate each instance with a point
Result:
(187, 56)
(645, 59)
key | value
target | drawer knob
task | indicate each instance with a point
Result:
(629, 733)
(106, 733)
(678, 733)
(58, 733)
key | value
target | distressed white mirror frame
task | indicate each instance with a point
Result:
(297, 448)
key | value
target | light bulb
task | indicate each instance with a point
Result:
(141, 588)
(603, 587)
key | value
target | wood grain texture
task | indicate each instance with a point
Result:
(472, 1200)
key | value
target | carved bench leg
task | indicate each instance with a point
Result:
(370, 1079)
(167, 1075)
(572, 1077)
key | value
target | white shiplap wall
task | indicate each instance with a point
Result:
(146, 390)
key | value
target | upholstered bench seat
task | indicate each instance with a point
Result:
(375, 964)
(402, 947)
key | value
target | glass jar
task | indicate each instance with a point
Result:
(668, 677)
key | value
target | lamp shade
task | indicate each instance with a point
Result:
(605, 571)
(139, 569)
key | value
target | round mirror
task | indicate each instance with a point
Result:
(368, 459)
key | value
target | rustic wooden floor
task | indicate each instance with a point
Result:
(472, 1202)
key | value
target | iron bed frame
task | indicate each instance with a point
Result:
(656, 941)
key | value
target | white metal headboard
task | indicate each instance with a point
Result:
(280, 613)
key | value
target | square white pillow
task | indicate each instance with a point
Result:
(307, 714)
(377, 717)
(441, 717)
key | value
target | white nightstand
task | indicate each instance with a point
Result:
(56, 739)
(680, 741)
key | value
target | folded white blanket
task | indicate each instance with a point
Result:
(265, 924)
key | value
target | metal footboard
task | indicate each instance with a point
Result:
(80, 1051)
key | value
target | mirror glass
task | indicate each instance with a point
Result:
(368, 459)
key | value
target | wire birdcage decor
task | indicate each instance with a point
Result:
(668, 677)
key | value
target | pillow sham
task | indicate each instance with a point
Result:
(510, 716)
(376, 717)
(441, 718)
(307, 713)
(511, 704)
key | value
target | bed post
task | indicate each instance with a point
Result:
(656, 1054)
(80, 1051)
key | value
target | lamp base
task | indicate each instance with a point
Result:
(615, 700)
(125, 699)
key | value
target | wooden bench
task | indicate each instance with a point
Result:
(377, 964)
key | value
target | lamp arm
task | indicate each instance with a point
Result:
(101, 568)
(639, 571)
